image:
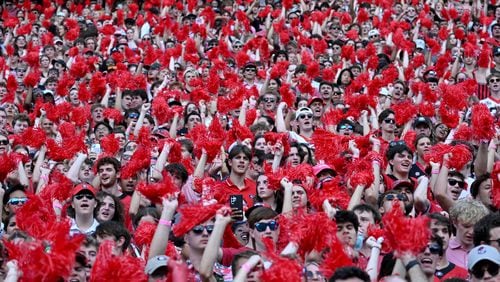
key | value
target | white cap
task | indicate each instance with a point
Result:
(373, 32)
(154, 263)
(420, 44)
(482, 252)
(303, 110)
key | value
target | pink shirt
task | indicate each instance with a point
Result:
(456, 253)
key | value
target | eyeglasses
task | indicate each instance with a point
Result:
(481, 267)
(86, 196)
(396, 143)
(454, 182)
(345, 127)
(17, 201)
(4, 142)
(434, 248)
(269, 100)
(390, 120)
(494, 80)
(392, 197)
(199, 229)
(262, 226)
(303, 116)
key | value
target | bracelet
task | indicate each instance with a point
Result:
(167, 223)
(246, 267)
(435, 171)
(57, 206)
(376, 162)
(411, 264)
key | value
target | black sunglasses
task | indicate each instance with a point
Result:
(494, 80)
(434, 248)
(337, 93)
(4, 142)
(303, 116)
(87, 196)
(262, 226)
(454, 182)
(133, 115)
(269, 100)
(390, 120)
(401, 197)
(481, 267)
(199, 229)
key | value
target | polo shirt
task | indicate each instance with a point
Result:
(457, 254)
(74, 229)
(248, 192)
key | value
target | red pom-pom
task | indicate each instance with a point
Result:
(495, 176)
(113, 114)
(108, 267)
(192, 215)
(33, 137)
(59, 187)
(156, 191)
(404, 112)
(144, 233)
(336, 258)
(460, 155)
(416, 231)
(482, 123)
(110, 145)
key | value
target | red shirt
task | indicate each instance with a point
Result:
(248, 192)
(451, 271)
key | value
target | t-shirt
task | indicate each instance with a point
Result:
(451, 271)
(492, 104)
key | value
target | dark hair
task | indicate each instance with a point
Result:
(302, 155)
(21, 117)
(179, 170)
(188, 144)
(344, 273)
(141, 93)
(483, 227)
(143, 212)
(339, 79)
(243, 255)
(441, 220)
(114, 229)
(439, 241)
(193, 113)
(347, 217)
(109, 160)
(381, 198)
(237, 149)
(368, 208)
(474, 188)
(278, 196)
(384, 114)
(454, 173)
(420, 136)
(119, 215)
(397, 149)
(259, 214)
(110, 129)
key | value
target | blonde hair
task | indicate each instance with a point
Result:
(468, 211)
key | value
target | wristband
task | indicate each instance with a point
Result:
(167, 223)
(492, 146)
(411, 264)
(376, 162)
(57, 206)
(246, 267)
(435, 171)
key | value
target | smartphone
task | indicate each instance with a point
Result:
(236, 202)
(95, 148)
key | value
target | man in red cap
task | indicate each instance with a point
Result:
(83, 204)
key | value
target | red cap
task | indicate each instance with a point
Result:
(81, 187)
(314, 99)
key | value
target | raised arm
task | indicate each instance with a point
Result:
(73, 171)
(280, 120)
(287, 195)
(441, 188)
(160, 239)
(213, 249)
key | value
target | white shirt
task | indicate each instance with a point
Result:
(74, 229)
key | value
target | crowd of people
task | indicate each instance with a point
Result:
(259, 140)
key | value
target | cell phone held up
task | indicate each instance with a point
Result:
(236, 204)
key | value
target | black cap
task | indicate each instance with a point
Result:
(422, 120)
(496, 51)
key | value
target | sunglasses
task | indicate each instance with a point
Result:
(269, 100)
(390, 121)
(199, 229)
(434, 248)
(396, 143)
(86, 196)
(17, 201)
(4, 142)
(454, 182)
(311, 275)
(346, 127)
(497, 240)
(392, 197)
(337, 93)
(133, 115)
(373, 36)
(250, 70)
(262, 226)
(480, 268)
(237, 46)
(303, 116)
(494, 80)
(334, 28)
